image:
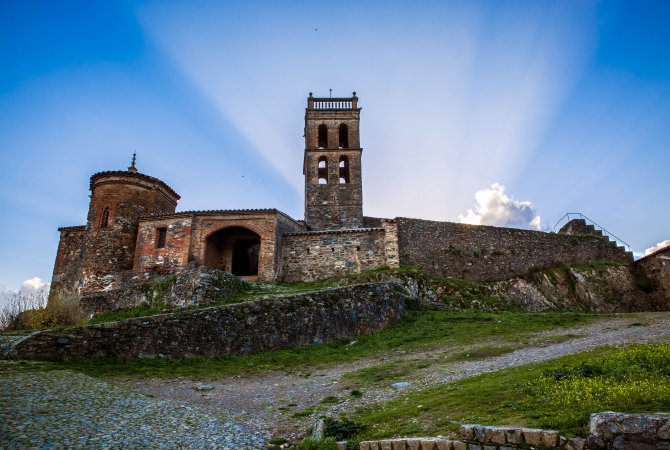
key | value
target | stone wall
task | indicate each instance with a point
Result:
(329, 254)
(608, 430)
(653, 275)
(239, 329)
(68, 259)
(485, 253)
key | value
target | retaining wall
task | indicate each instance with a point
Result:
(239, 329)
(608, 430)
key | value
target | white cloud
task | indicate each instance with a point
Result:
(657, 247)
(495, 207)
(34, 286)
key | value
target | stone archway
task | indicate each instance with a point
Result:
(235, 250)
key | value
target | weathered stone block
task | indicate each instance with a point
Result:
(468, 432)
(495, 435)
(413, 444)
(533, 436)
(514, 436)
(444, 444)
(428, 444)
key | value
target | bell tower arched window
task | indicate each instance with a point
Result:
(323, 170)
(323, 136)
(344, 136)
(105, 218)
(344, 170)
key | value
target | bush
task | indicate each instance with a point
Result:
(34, 311)
(342, 429)
(310, 444)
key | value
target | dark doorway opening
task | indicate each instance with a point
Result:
(235, 250)
(245, 257)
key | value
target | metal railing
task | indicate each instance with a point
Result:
(570, 216)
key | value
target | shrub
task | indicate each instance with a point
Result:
(311, 444)
(34, 311)
(342, 429)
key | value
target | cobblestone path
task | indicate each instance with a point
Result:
(64, 409)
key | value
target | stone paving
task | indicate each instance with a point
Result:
(64, 409)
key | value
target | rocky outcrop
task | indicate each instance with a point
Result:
(607, 288)
(193, 286)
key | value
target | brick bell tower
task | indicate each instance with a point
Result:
(332, 164)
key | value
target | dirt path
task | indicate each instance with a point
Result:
(286, 403)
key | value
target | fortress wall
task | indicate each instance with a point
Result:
(239, 329)
(330, 254)
(150, 258)
(485, 253)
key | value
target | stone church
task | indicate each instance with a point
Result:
(134, 231)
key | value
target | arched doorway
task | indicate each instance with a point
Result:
(235, 250)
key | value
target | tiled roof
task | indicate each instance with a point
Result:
(142, 176)
(347, 230)
(73, 228)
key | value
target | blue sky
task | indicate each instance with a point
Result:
(540, 108)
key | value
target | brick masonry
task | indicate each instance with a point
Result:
(238, 329)
(485, 253)
(188, 235)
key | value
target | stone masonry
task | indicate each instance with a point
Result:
(238, 329)
(608, 430)
(134, 233)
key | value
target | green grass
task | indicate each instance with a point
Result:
(418, 330)
(558, 394)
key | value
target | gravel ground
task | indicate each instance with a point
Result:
(64, 409)
(267, 402)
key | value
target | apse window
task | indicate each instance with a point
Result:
(105, 218)
(161, 236)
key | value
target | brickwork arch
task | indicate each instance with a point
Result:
(233, 249)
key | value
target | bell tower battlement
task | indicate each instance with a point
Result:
(332, 164)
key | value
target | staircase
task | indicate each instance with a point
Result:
(578, 223)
